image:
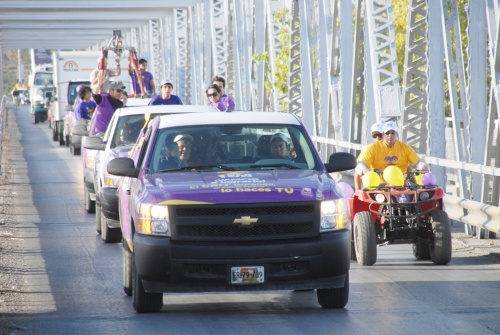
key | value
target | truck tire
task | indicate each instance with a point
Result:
(89, 204)
(421, 251)
(440, 249)
(353, 251)
(127, 260)
(365, 241)
(144, 302)
(334, 297)
(60, 130)
(109, 235)
(98, 218)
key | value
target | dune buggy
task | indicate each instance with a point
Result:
(411, 213)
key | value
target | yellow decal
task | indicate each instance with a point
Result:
(288, 190)
(184, 202)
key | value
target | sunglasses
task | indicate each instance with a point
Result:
(390, 133)
(119, 90)
(376, 135)
(212, 95)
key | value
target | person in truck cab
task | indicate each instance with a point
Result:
(170, 158)
(279, 146)
(185, 146)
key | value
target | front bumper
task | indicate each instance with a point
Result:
(89, 181)
(108, 197)
(171, 266)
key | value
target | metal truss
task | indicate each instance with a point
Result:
(382, 59)
(196, 71)
(329, 80)
(156, 37)
(491, 185)
(357, 126)
(477, 92)
(415, 81)
(258, 70)
(182, 50)
(307, 43)
(456, 87)
(273, 46)
(239, 76)
(294, 77)
(230, 47)
(219, 32)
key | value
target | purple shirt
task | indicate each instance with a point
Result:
(227, 101)
(220, 105)
(84, 109)
(158, 100)
(147, 77)
(105, 111)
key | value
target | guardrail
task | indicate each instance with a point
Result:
(473, 213)
(477, 214)
(3, 107)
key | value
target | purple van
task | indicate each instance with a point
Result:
(235, 201)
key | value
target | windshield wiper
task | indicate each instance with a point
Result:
(199, 167)
(290, 166)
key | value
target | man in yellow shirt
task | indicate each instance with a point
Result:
(377, 133)
(389, 151)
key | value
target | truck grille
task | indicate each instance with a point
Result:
(187, 211)
(220, 222)
(273, 230)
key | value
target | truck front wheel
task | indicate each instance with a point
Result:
(334, 297)
(144, 302)
(127, 260)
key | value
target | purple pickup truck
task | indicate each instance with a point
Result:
(236, 201)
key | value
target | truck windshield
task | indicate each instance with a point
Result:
(127, 130)
(72, 93)
(43, 78)
(235, 147)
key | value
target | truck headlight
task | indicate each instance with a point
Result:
(109, 180)
(153, 220)
(334, 215)
(90, 159)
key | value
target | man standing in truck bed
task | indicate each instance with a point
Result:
(106, 103)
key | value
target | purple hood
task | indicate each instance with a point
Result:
(240, 186)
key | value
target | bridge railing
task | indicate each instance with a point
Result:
(469, 212)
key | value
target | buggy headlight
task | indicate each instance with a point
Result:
(424, 196)
(334, 215)
(153, 220)
(380, 197)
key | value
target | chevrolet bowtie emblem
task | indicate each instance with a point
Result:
(245, 220)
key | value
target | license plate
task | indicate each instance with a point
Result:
(247, 275)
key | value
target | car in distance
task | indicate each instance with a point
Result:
(232, 217)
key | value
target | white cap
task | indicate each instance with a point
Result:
(167, 81)
(281, 136)
(378, 127)
(390, 126)
(184, 137)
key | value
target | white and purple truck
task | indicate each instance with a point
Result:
(208, 205)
